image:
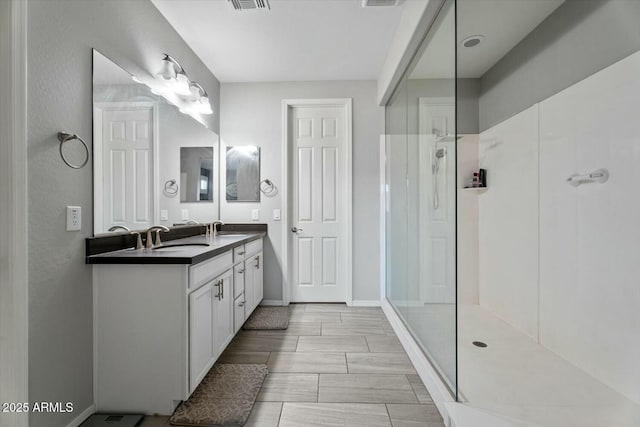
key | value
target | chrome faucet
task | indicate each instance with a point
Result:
(149, 242)
(118, 227)
(213, 230)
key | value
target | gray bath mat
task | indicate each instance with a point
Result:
(225, 397)
(268, 318)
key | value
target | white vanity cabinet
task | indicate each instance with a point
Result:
(210, 325)
(158, 328)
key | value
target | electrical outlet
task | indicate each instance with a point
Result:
(255, 214)
(276, 214)
(164, 215)
(74, 218)
(185, 214)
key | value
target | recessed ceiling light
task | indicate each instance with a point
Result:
(473, 41)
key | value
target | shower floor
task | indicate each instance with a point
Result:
(520, 379)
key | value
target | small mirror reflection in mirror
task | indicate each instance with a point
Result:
(196, 174)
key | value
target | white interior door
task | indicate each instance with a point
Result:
(437, 206)
(127, 165)
(319, 136)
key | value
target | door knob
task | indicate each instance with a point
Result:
(295, 229)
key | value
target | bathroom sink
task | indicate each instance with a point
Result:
(231, 235)
(179, 245)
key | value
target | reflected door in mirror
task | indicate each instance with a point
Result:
(126, 157)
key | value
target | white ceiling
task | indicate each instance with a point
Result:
(297, 40)
(504, 23)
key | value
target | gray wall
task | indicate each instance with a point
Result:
(60, 37)
(251, 114)
(580, 38)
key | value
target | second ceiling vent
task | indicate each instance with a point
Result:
(250, 4)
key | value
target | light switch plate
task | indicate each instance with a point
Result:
(164, 215)
(74, 218)
(276, 214)
(185, 214)
(255, 214)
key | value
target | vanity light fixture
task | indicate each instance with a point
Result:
(173, 84)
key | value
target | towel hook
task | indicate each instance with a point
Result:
(601, 176)
(66, 137)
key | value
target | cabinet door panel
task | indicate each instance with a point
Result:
(223, 309)
(201, 346)
(258, 292)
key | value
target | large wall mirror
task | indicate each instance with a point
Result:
(152, 163)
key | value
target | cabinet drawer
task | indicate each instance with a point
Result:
(253, 247)
(201, 273)
(238, 253)
(238, 313)
(238, 280)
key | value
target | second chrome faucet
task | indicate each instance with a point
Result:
(149, 243)
(211, 230)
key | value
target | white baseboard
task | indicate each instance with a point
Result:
(83, 416)
(271, 302)
(438, 391)
(365, 303)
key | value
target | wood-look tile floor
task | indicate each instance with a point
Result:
(334, 366)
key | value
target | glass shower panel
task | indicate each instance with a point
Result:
(431, 184)
(396, 200)
(421, 199)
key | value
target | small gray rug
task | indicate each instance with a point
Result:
(225, 397)
(266, 318)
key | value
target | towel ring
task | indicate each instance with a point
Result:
(171, 187)
(268, 188)
(66, 137)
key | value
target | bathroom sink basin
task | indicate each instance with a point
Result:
(179, 245)
(230, 235)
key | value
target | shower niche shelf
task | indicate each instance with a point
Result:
(478, 190)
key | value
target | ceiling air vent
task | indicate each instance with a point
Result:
(250, 4)
(377, 3)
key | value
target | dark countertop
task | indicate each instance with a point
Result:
(181, 254)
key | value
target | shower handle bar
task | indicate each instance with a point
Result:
(601, 176)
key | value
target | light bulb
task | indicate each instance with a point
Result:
(195, 92)
(182, 85)
(168, 71)
(204, 107)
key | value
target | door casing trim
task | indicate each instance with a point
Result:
(287, 105)
(14, 268)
